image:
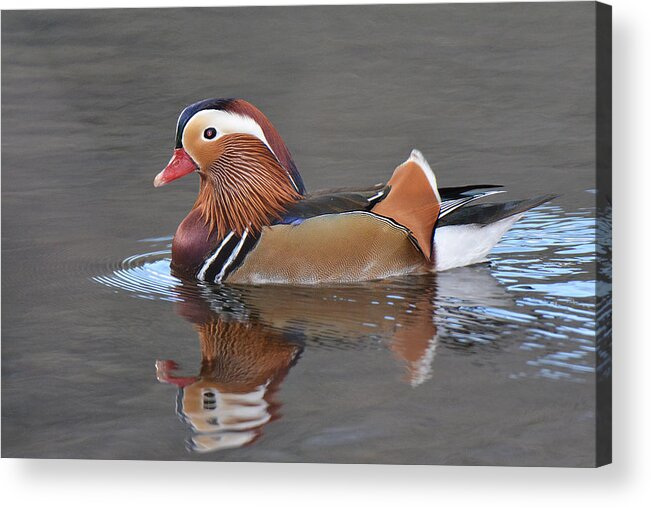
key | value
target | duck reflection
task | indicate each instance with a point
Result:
(250, 337)
(392, 315)
(242, 364)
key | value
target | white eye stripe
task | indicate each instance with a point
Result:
(228, 123)
(225, 123)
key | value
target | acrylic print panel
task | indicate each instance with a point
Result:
(408, 323)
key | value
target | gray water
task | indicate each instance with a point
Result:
(102, 348)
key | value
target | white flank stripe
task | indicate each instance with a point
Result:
(211, 259)
(232, 257)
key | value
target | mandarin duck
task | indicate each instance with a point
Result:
(254, 222)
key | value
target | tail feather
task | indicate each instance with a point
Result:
(448, 193)
(451, 205)
(485, 214)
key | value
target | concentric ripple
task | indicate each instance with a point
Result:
(146, 275)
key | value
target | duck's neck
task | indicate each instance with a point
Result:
(272, 136)
(245, 188)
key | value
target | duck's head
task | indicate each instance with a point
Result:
(247, 173)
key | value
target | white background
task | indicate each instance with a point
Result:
(626, 482)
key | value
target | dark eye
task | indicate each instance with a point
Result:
(209, 133)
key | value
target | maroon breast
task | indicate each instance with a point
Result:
(192, 244)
